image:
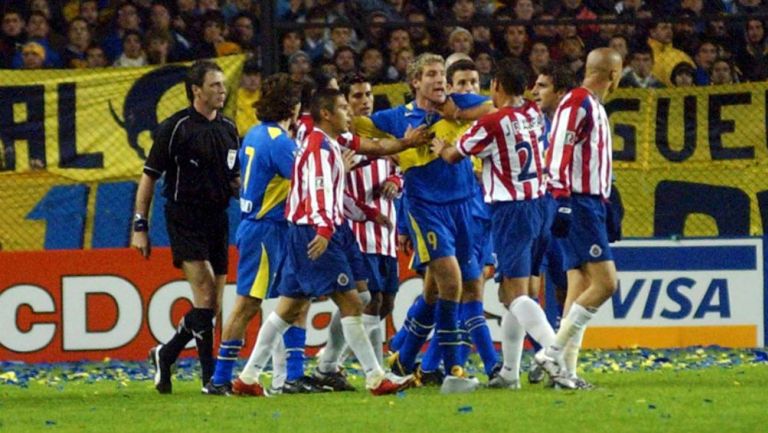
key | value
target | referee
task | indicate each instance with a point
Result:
(196, 149)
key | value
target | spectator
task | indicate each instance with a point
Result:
(133, 52)
(665, 55)
(398, 39)
(160, 21)
(377, 33)
(685, 36)
(95, 57)
(722, 72)
(127, 19)
(463, 10)
(573, 55)
(641, 64)
(38, 31)
(538, 59)
(244, 32)
(682, 75)
(33, 56)
(316, 39)
(576, 9)
(523, 9)
(460, 41)
(749, 7)
(345, 60)
(372, 66)
(342, 35)
(485, 63)
(214, 43)
(705, 57)
(752, 59)
(299, 66)
(12, 37)
(398, 70)
(606, 32)
(545, 32)
(516, 39)
(79, 37)
(89, 11)
(420, 37)
(290, 44)
(620, 44)
(481, 34)
(248, 94)
(158, 46)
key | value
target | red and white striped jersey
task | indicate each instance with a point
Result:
(579, 156)
(508, 142)
(304, 126)
(364, 187)
(317, 185)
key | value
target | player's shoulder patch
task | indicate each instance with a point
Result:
(274, 132)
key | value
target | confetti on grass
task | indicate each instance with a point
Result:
(57, 375)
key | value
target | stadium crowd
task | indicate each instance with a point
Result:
(378, 38)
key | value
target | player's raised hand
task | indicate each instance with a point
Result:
(389, 190)
(140, 241)
(417, 137)
(437, 145)
(317, 247)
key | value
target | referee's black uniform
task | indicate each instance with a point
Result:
(199, 159)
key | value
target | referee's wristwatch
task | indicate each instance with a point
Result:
(140, 224)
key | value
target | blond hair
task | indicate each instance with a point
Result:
(416, 68)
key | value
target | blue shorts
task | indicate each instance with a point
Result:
(382, 272)
(483, 248)
(518, 232)
(587, 240)
(354, 256)
(443, 230)
(300, 277)
(260, 245)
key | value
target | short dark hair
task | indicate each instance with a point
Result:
(251, 67)
(196, 75)
(563, 79)
(351, 80)
(641, 48)
(459, 65)
(279, 95)
(323, 99)
(511, 74)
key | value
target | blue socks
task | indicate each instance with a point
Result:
(295, 338)
(417, 330)
(431, 359)
(448, 334)
(473, 317)
(225, 362)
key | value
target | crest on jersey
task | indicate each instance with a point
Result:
(342, 280)
(595, 251)
(570, 137)
(231, 158)
(319, 183)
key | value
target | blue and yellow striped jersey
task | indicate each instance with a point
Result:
(427, 176)
(266, 163)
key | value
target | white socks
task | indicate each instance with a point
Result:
(272, 330)
(279, 364)
(571, 351)
(354, 333)
(328, 362)
(574, 322)
(511, 346)
(375, 334)
(533, 320)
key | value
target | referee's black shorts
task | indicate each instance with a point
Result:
(198, 233)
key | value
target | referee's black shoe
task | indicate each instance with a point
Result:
(162, 370)
(303, 385)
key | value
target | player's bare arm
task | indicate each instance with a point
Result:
(449, 153)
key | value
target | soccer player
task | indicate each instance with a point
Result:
(513, 181)
(196, 150)
(267, 157)
(552, 83)
(314, 263)
(579, 161)
(438, 210)
(463, 78)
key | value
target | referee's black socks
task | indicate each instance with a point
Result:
(197, 324)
